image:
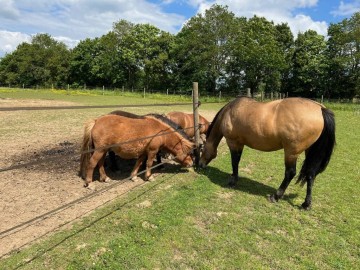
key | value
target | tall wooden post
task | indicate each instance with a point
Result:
(248, 92)
(196, 122)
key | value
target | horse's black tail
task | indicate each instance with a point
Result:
(319, 154)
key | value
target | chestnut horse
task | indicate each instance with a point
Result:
(292, 124)
(186, 121)
(130, 138)
(112, 158)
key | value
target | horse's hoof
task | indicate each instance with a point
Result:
(306, 206)
(151, 178)
(90, 186)
(134, 178)
(107, 180)
(272, 199)
(232, 184)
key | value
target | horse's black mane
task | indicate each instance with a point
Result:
(127, 114)
(213, 122)
(171, 123)
(160, 117)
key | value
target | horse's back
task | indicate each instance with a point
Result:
(113, 128)
(293, 123)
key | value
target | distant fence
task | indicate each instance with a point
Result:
(184, 92)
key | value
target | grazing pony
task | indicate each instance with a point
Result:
(293, 124)
(112, 157)
(130, 138)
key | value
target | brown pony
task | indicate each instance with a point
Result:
(292, 124)
(130, 138)
(112, 158)
(186, 121)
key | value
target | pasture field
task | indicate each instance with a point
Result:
(189, 219)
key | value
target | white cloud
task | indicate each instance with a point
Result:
(10, 40)
(279, 11)
(74, 20)
(346, 9)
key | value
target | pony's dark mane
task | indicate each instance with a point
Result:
(127, 114)
(172, 124)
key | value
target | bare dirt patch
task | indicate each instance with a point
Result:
(36, 199)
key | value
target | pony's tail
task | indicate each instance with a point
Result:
(86, 146)
(319, 154)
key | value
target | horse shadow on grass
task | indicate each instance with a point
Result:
(125, 166)
(244, 184)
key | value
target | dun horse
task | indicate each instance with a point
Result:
(292, 124)
(130, 138)
(186, 121)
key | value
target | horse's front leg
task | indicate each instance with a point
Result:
(149, 162)
(140, 160)
(235, 160)
(290, 172)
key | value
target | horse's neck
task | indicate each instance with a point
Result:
(215, 135)
(171, 142)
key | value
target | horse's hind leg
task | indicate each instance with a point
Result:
(290, 172)
(95, 157)
(307, 203)
(103, 176)
(235, 160)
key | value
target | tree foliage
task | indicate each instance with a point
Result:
(44, 61)
(219, 50)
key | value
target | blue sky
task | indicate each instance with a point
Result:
(73, 20)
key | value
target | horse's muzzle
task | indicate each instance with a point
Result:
(202, 164)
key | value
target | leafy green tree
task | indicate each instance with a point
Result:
(108, 65)
(309, 65)
(42, 62)
(122, 30)
(202, 50)
(285, 38)
(344, 58)
(259, 55)
(144, 51)
(82, 71)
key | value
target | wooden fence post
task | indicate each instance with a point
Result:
(196, 122)
(248, 94)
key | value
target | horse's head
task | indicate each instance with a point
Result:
(186, 161)
(208, 154)
(185, 155)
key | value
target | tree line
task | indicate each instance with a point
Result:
(219, 50)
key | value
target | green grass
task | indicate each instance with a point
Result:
(193, 221)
